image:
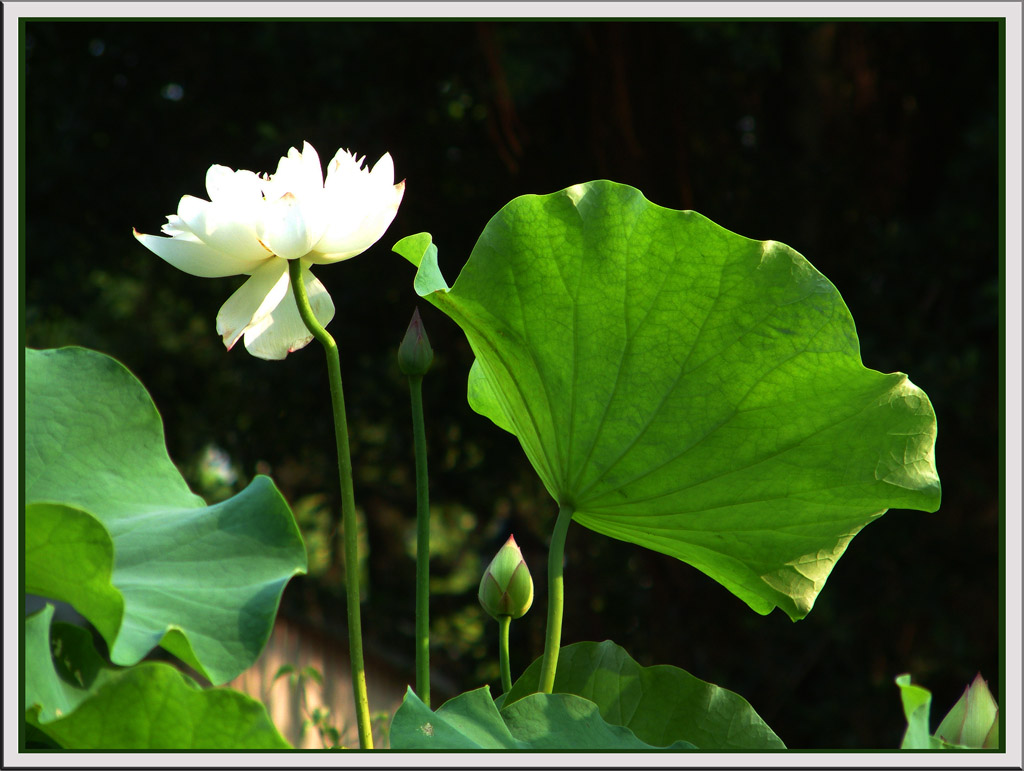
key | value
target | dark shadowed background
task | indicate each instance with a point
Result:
(870, 147)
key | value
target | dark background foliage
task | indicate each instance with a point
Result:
(870, 147)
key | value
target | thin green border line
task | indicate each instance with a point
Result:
(1001, 331)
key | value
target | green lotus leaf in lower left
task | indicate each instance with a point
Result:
(79, 703)
(112, 528)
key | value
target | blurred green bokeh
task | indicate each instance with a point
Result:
(870, 147)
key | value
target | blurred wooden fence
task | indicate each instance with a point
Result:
(298, 646)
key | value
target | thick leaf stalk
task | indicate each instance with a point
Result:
(348, 504)
(556, 598)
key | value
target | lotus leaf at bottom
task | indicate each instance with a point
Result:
(471, 721)
(659, 704)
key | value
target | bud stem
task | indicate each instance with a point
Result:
(556, 597)
(348, 504)
(504, 622)
(422, 542)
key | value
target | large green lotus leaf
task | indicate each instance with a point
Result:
(112, 528)
(659, 704)
(684, 388)
(80, 703)
(542, 721)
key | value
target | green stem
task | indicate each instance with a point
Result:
(556, 597)
(348, 504)
(504, 622)
(422, 543)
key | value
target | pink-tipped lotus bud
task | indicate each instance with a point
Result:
(507, 587)
(415, 354)
(974, 720)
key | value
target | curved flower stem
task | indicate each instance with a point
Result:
(556, 596)
(348, 504)
(504, 622)
(422, 543)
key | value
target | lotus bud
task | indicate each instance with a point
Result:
(415, 354)
(974, 720)
(507, 587)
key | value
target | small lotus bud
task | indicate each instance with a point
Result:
(507, 587)
(415, 354)
(974, 720)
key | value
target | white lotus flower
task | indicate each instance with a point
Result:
(253, 225)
